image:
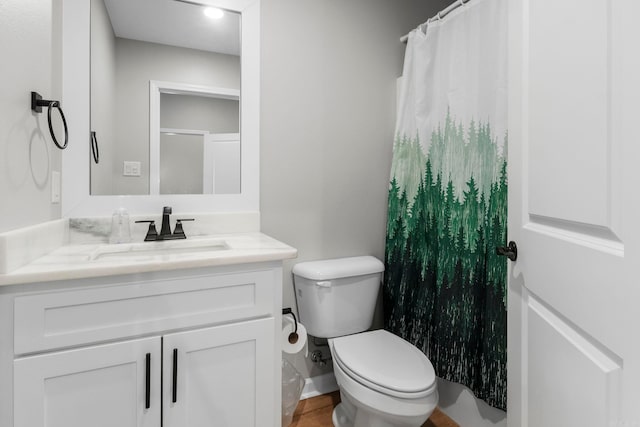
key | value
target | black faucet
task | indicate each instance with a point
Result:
(165, 231)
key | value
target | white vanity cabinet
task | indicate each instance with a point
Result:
(183, 348)
(102, 385)
(219, 376)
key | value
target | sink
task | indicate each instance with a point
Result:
(168, 247)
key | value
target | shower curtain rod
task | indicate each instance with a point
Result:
(444, 12)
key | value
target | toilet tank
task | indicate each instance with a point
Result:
(337, 297)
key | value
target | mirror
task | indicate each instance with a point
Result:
(165, 98)
(77, 201)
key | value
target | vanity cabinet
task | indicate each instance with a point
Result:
(98, 386)
(222, 376)
(156, 349)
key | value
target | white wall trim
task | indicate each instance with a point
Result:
(321, 384)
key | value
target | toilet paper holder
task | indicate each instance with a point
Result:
(293, 336)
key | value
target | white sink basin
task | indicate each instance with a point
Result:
(165, 247)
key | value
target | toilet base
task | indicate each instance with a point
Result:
(340, 418)
(363, 407)
(348, 414)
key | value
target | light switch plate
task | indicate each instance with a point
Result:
(131, 168)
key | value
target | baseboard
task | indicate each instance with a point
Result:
(321, 384)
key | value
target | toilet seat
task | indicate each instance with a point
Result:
(385, 363)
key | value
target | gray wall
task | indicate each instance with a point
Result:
(199, 112)
(31, 58)
(329, 71)
(137, 63)
(181, 168)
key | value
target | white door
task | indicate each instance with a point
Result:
(99, 386)
(221, 163)
(220, 376)
(574, 211)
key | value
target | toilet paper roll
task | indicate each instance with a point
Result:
(301, 345)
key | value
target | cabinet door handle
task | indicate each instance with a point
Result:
(147, 392)
(175, 375)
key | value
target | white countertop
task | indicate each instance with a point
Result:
(78, 261)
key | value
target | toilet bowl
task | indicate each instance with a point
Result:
(384, 380)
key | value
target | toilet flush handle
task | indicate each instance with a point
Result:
(324, 283)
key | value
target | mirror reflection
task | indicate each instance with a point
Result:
(165, 98)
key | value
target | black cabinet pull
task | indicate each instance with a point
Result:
(147, 392)
(175, 375)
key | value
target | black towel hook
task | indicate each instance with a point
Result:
(36, 105)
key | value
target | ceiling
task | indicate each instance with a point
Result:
(174, 23)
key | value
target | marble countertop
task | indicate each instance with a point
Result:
(76, 261)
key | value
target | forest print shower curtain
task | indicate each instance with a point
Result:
(445, 289)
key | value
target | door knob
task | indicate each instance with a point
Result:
(510, 251)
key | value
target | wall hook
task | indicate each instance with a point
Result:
(36, 106)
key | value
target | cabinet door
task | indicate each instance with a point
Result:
(99, 386)
(220, 376)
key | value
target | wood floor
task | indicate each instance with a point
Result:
(316, 412)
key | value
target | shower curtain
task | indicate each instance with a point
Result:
(445, 289)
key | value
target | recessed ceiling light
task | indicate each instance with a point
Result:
(213, 12)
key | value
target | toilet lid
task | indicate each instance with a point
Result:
(386, 361)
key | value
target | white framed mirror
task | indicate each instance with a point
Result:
(76, 198)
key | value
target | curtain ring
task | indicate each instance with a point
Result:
(52, 105)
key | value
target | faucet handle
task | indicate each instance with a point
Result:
(178, 232)
(152, 233)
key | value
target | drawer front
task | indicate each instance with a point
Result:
(80, 316)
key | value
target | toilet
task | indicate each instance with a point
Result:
(384, 380)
